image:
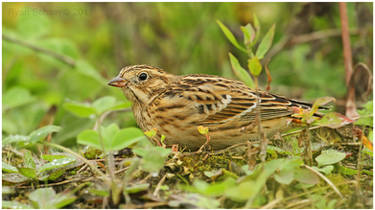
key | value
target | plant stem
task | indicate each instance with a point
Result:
(262, 138)
(65, 59)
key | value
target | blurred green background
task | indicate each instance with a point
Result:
(182, 38)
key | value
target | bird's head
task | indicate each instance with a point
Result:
(141, 82)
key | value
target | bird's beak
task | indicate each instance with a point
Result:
(117, 82)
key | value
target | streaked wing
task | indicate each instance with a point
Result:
(222, 100)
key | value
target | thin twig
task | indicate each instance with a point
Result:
(271, 204)
(325, 179)
(65, 59)
(156, 191)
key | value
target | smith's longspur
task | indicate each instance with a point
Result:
(176, 105)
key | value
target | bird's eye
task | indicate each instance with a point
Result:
(143, 76)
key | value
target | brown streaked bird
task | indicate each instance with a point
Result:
(177, 105)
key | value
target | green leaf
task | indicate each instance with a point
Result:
(15, 139)
(79, 109)
(326, 169)
(329, 157)
(8, 168)
(306, 176)
(54, 174)
(31, 23)
(230, 36)
(14, 205)
(137, 188)
(366, 115)
(51, 157)
(56, 163)
(284, 176)
(213, 189)
(46, 198)
(16, 97)
(153, 158)
(126, 137)
(86, 69)
(103, 104)
(90, 138)
(28, 160)
(240, 72)
(108, 133)
(41, 133)
(28, 172)
(254, 66)
(257, 27)
(249, 35)
(266, 43)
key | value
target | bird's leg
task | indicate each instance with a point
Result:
(206, 143)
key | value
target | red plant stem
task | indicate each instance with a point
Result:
(346, 42)
(351, 110)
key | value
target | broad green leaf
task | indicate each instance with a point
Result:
(326, 169)
(306, 176)
(90, 138)
(46, 198)
(108, 133)
(14, 178)
(126, 137)
(266, 43)
(242, 191)
(333, 120)
(62, 46)
(79, 109)
(85, 68)
(230, 36)
(366, 115)
(249, 35)
(328, 157)
(41, 133)
(8, 168)
(153, 158)
(284, 176)
(56, 163)
(15, 97)
(120, 106)
(103, 104)
(252, 184)
(15, 139)
(213, 189)
(28, 172)
(14, 205)
(255, 66)
(240, 72)
(33, 24)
